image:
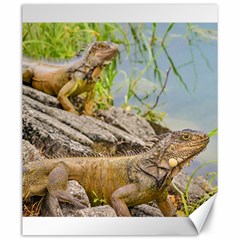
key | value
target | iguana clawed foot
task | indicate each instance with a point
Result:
(57, 184)
(53, 200)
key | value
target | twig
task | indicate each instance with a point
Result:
(164, 86)
(158, 97)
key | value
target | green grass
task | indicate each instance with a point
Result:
(99, 200)
(188, 205)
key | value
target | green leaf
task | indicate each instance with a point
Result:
(186, 208)
(213, 132)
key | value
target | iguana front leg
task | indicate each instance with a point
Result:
(73, 87)
(89, 103)
(57, 184)
(165, 205)
(124, 197)
(66, 91)
(131, 195)
(89, 100)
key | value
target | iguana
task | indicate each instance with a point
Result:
(123, 181)
(77, 76)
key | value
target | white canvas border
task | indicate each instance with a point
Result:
(120, 13)
(106, 226)
(107, 13)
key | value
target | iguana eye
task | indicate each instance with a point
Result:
(186, 136)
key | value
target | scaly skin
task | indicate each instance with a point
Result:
(71, 79)
(123, 181)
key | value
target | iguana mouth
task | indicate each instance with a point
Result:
(189, 159)
(106, 63)
(198, 147)
(204, 141)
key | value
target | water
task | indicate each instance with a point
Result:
(195, 110)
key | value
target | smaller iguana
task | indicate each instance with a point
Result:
(75, 77)
(123, 181)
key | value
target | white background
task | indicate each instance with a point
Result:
(223, 222)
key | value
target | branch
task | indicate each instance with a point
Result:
(158, 97)
(164, 86)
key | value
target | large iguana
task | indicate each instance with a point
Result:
(123, 181)
(77, 76)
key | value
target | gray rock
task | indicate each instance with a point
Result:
(100, 211)
(197, 188)
(204, 184)
(145, 210)
(41, 97)
(48, 137)
(52, 121)
(30, 153)
(46, 124)
(78, 191)
(127, 121)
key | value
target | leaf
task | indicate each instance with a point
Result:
(170, 59)
(213, 132)
(184, 201)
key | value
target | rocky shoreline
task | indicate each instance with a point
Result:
(50, 131)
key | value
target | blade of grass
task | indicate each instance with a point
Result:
(126, 41)
(183, 199)
(213, 132)
(193, 174)
(170, 59)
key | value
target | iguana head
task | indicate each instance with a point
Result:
(175, 150)
(99, 54)
(182, 146)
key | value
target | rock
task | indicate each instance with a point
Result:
(100, 211)
(204, 184)
(48, 137)
(119, 134)
(127, 121)
(41, 97)
(197, 188)
(159, 129)
(77, 191)
(30, 153)
(48, 116)
(47, 126)
(145, 210)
